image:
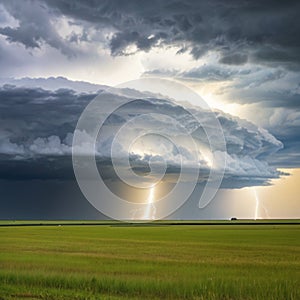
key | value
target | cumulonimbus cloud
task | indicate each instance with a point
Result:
(45, 132)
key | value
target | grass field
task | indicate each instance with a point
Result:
(150, 262)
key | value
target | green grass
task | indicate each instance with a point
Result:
(150, 262)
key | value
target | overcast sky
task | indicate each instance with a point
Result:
(242, 57)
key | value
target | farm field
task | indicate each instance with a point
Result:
(164, 260)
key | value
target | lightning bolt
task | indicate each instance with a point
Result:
(150, 209)
(259, 205)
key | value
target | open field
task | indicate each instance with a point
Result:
(162, 261)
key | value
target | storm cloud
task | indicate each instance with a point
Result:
(37, 128)
(264, 32)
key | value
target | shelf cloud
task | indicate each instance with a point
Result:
(45, 133)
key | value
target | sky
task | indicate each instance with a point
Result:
(241, 58)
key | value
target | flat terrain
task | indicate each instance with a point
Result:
(162, 261)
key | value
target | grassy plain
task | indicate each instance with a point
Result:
(163, 261)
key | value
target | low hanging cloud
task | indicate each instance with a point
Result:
(43, 136)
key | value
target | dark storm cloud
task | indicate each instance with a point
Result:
(37, 128)
(32, 112)
(234, 59)
(264, 30)
(36, 173)
(20, 35)
(35, 27)
(260, 31)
